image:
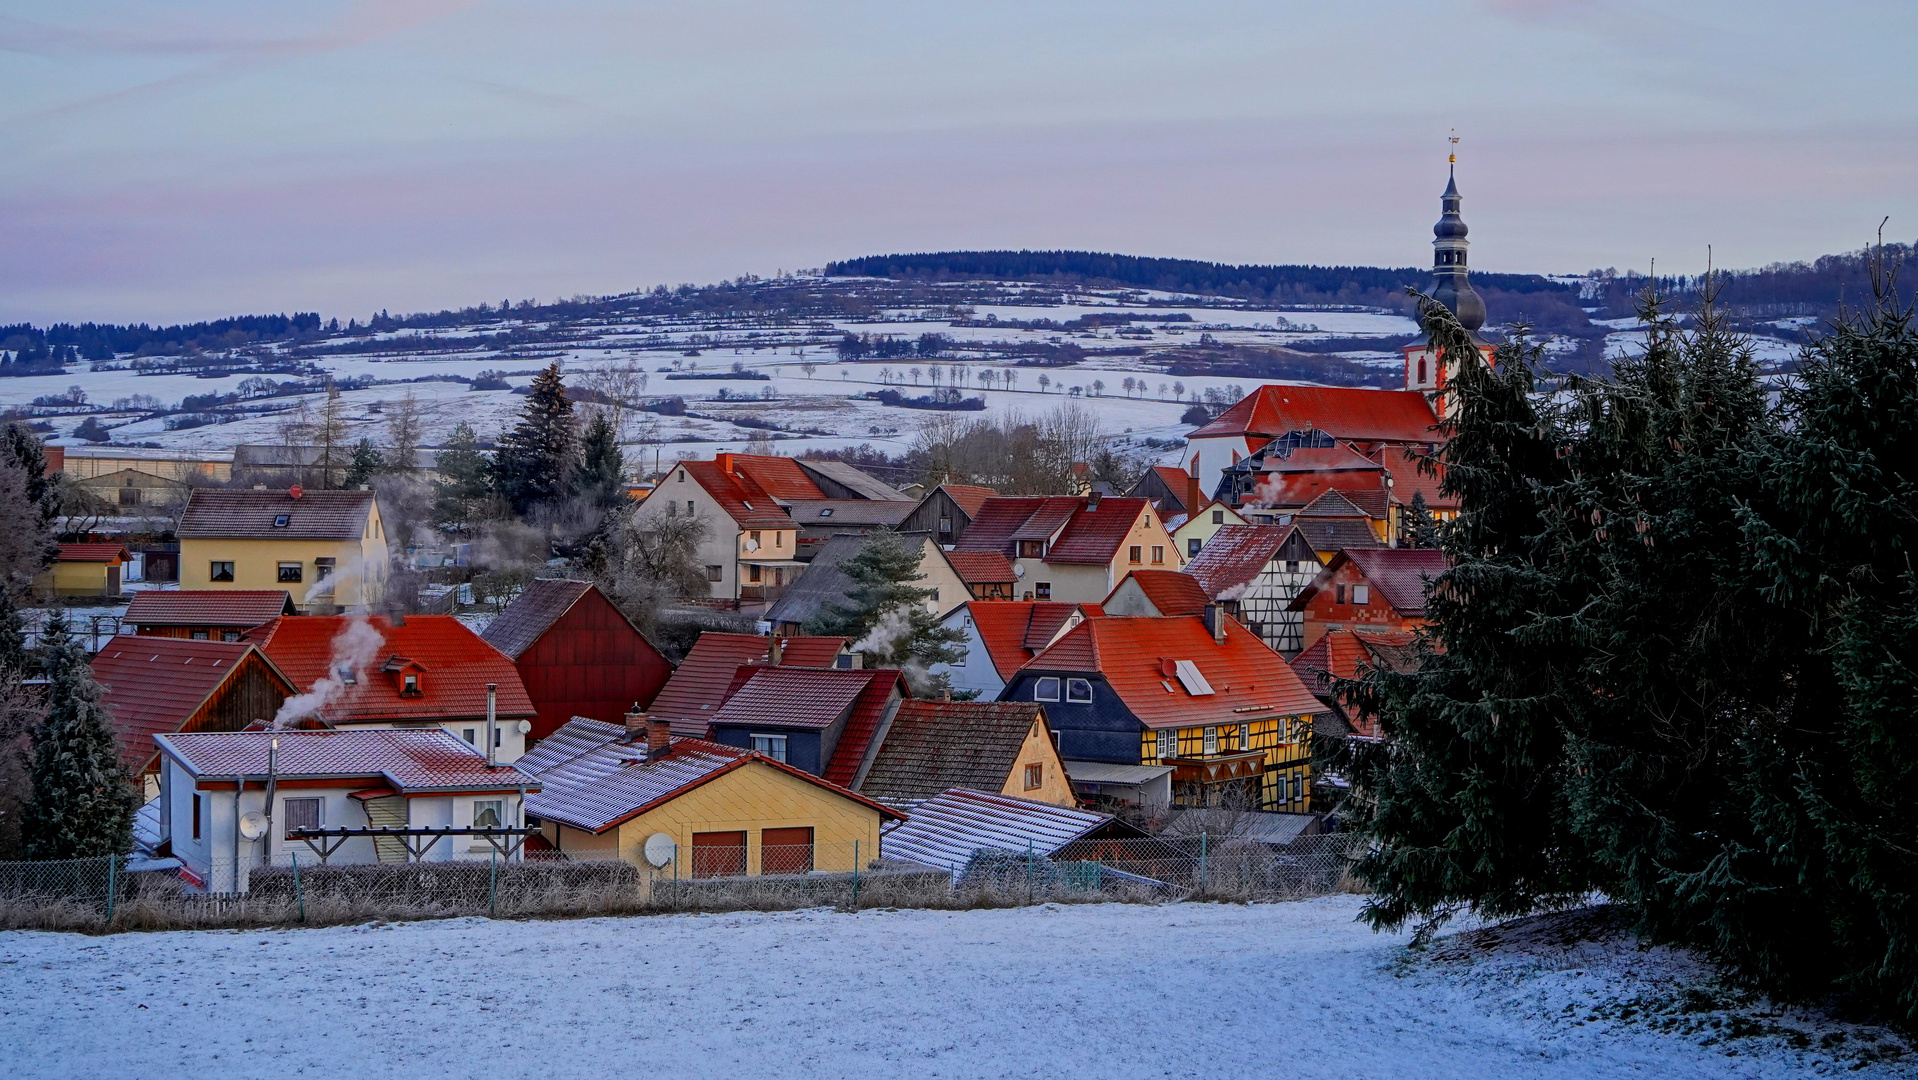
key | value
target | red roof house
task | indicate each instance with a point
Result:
(164, 686)
(1349, 414)
(820, 720)
(704, 679)
(577, 654)
(1369, 588)
(1071, 548)
(1254, 571)
(205, 614)
(1157, 592)
(1346, 654)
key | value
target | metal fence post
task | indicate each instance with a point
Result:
(492, 884)
(855, 875)
(299, 895)
(1202, 839)
(113, 885)
(1028, 871)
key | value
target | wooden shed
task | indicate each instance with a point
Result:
(577, 654)
(165, 686)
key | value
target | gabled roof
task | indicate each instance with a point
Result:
(1085, 533)
(1135, 656)
(935, 745)
(823, 583)
(700, 684)
(1230, 562)
(1339, 652)
(243, 608)
(616, 782)
(826, 513)
(780, 477)
(853, 477)
(816, 698)
(945, 830)
(968, 497)
(155, 684)
(1345, 412)
(982, 567)
(457, 666)
(1171, 592)
(575, 737)
(1333, 504)
(408, 760)
(1007, 626)
(234, 514)
(749, 505)
(102, 553)
(532, 613)
(1399, 574)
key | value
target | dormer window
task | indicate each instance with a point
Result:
(1032, 549)
(409, 683)
(349, 677)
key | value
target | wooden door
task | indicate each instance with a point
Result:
(719, 854)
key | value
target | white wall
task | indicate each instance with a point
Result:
(976, 672)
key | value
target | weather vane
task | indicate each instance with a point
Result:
(1453, 139)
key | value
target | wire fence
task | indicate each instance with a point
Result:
(110, 894)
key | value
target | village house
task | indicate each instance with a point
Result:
(952, 829)
(1289, 472)
(1254, 572)
(988, 574)
(826, 584)
(413, 671)
(819, 520)
(1071, 548)
(827, 722)
(992, 746)
(205, 614)
(1201, 694)
(750, 551)
(707, 676)
(1153, 593)
(210, 783)
(1340, 521)
(1347, 654)
(327, 548)
(836, 480)
(1368, 588)
(946, 511)
(1176, 492)
(84, 570)
(577, 654)
(692, 808)
(1001, 636)
(1194, 531)
(169, 685)
(134, 492)
(1365, 419)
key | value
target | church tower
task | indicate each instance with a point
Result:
(1450, 287)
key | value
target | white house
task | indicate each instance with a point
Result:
(229, 799)
(1001, 635)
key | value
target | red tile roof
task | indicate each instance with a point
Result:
(155, 684)
(407, 760)
(1085, 534)
(107, 553)
(453, 663)
(1400, 574)
(227, 514)
(1007, 625)
(780, 477)
(1345, 412)
(702, 682)
(968, 497)
(1408, 479)
(743, 500)
(1339, 654)
(1134, 656)
(241, 608)
(1172, 592)
(1233, 558)
(981, 567)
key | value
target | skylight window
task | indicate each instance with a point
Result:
(826, 512)
(280, 520)
(1191, 679)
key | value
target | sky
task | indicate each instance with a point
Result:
(200, 158)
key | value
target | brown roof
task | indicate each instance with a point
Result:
(532, 613)
(703, 680)
(107, 553)
(1232, 559)
(226, 514)
(155, 684)
(1399, 574)
(935, 745)
(242, 608)
(1172, 592)
(1085, 533)
(981, 567)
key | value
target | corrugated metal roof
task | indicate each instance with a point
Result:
(243, 608)
(946, 829)
(236, 514)
(1104, 772)
(576, 737)
(409, 760)
(851, 476)
(532, 613)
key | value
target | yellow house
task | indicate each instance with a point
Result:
(1071, 548)
(722, 811)
(1196, 529)
(1002, 746)
(326, 548)
(84, 570)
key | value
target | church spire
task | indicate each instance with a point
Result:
(1449, 285)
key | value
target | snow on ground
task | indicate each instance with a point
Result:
(1110, 991)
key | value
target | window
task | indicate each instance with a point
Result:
(323, 568)
(291, 573)
(1032, 549)
(1192, 548)
(779, 539)
(753, 535)
(1211, 740)
(129, 496)
(719, 854)
(843, 663)
(1168, 744)
(229, 635)
(1361, 594)
(1291, 566)
(825, 512)
(1042, 590)
(672, 509)
(785, 851)
(752, 572)
(349, 676)
(199, 808)
(471, 735)
(280, 521)
(499, 733)
(689, 508)
(1421, 370)
(945, 525)
(1134, 554)
(1078, 690)
(682, 476)
(200, 635)
(302, 814)
(773, 746)
(220, 571)
(1035, 775)
(409, 683)
(1046, 689)
(1218, 517)
(1340, 593)
(488, 813)
(1280, 790)
(714, 573)
(1158, 555)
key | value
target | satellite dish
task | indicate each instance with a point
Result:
(752, 545)
(523, 726)
(252, 825)
(660, 849)
(1018, 571)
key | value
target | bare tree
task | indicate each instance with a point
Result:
(653, 564)
(403, 423)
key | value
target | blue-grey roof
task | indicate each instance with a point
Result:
(577, 736)
(946, 829)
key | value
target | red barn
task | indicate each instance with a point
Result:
(577, 654)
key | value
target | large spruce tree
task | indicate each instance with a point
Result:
(83, 798)
(600, 477)
(535, 460)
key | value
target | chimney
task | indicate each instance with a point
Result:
(1193, 499)
(492, 722)
(1215, 622)
(776, 651)
(659, 737)
(724, 461)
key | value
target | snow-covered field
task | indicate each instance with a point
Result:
(1109, 991)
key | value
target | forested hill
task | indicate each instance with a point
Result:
(1349, 284)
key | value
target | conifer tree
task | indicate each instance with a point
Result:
(601, 474)
(885, 613)
(83, 798)
(367, 462)
(466, 479)
(15, 661)
(535, 460)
